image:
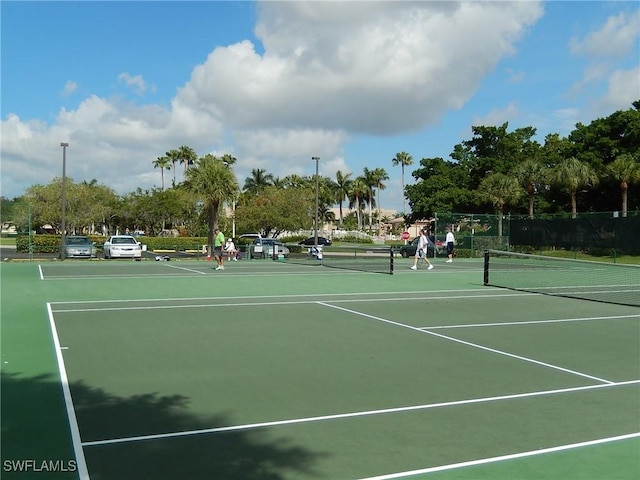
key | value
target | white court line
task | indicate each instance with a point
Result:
(338, 416)
(187, 269)
(503, 457)
(40, 270)
(220, 275)
(475, 345)
(529, 322)
(68, 400)
(296, 295)
(289, 302)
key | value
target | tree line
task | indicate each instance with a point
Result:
(497, 170)
(590, 170)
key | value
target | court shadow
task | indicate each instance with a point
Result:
(31, 404)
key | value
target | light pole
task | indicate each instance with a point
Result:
(64, 146)
(315, 234)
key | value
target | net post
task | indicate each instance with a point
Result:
(391, 260)
(486, 267)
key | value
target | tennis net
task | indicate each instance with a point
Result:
(597, 281)
(374, 259)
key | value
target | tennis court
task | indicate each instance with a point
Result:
(273, 370)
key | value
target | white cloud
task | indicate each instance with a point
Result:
(375, 68)
(135, 82)
(69, 88)
(623, 89)
(616, 37)
(329, 71)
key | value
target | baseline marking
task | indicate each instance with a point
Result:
(475, 345)
(250, 426)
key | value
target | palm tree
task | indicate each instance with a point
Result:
(213, 183)
(370, 181)
(295, 181)
(258, 180)
(163, 164)
(173, 156)
(624, 169)
(531, 174)
(188, 156)
(404, 160)
(229, 159)
(500, 190)
(379, 175)
(357, 192)
(573, 174)
(325, 214)
(343, 183)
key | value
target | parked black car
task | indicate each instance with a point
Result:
(311, 241)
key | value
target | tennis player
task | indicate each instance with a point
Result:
(218, 242)
(450, 240)
(421, 251)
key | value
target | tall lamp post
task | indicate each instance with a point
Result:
(315, 234)
(64, 146)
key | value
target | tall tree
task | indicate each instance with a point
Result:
(229, 159)
(357, 192)
(370, 181)
(274, 210)
(573, 175)
(343, 182)
(500, 190)
(213, 183)
(531, 174)
(494, 150)
(163, 163)
(379, 175)
(296, 181)
(188, 156)
(174, 157)
(258, 181)
(625, 169)
(404, 160)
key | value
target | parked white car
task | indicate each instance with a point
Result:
(122, 246)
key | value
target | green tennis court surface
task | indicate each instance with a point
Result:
(269, 370)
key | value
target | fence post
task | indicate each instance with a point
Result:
(486, 267)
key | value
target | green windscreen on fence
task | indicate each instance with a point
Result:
(598, 281)
(374, 259)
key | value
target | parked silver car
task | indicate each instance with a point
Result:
(264, 247)
(78, 246)
(122, 246)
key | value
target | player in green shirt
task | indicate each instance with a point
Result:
(218, 242)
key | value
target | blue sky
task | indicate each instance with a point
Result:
(275, 83)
